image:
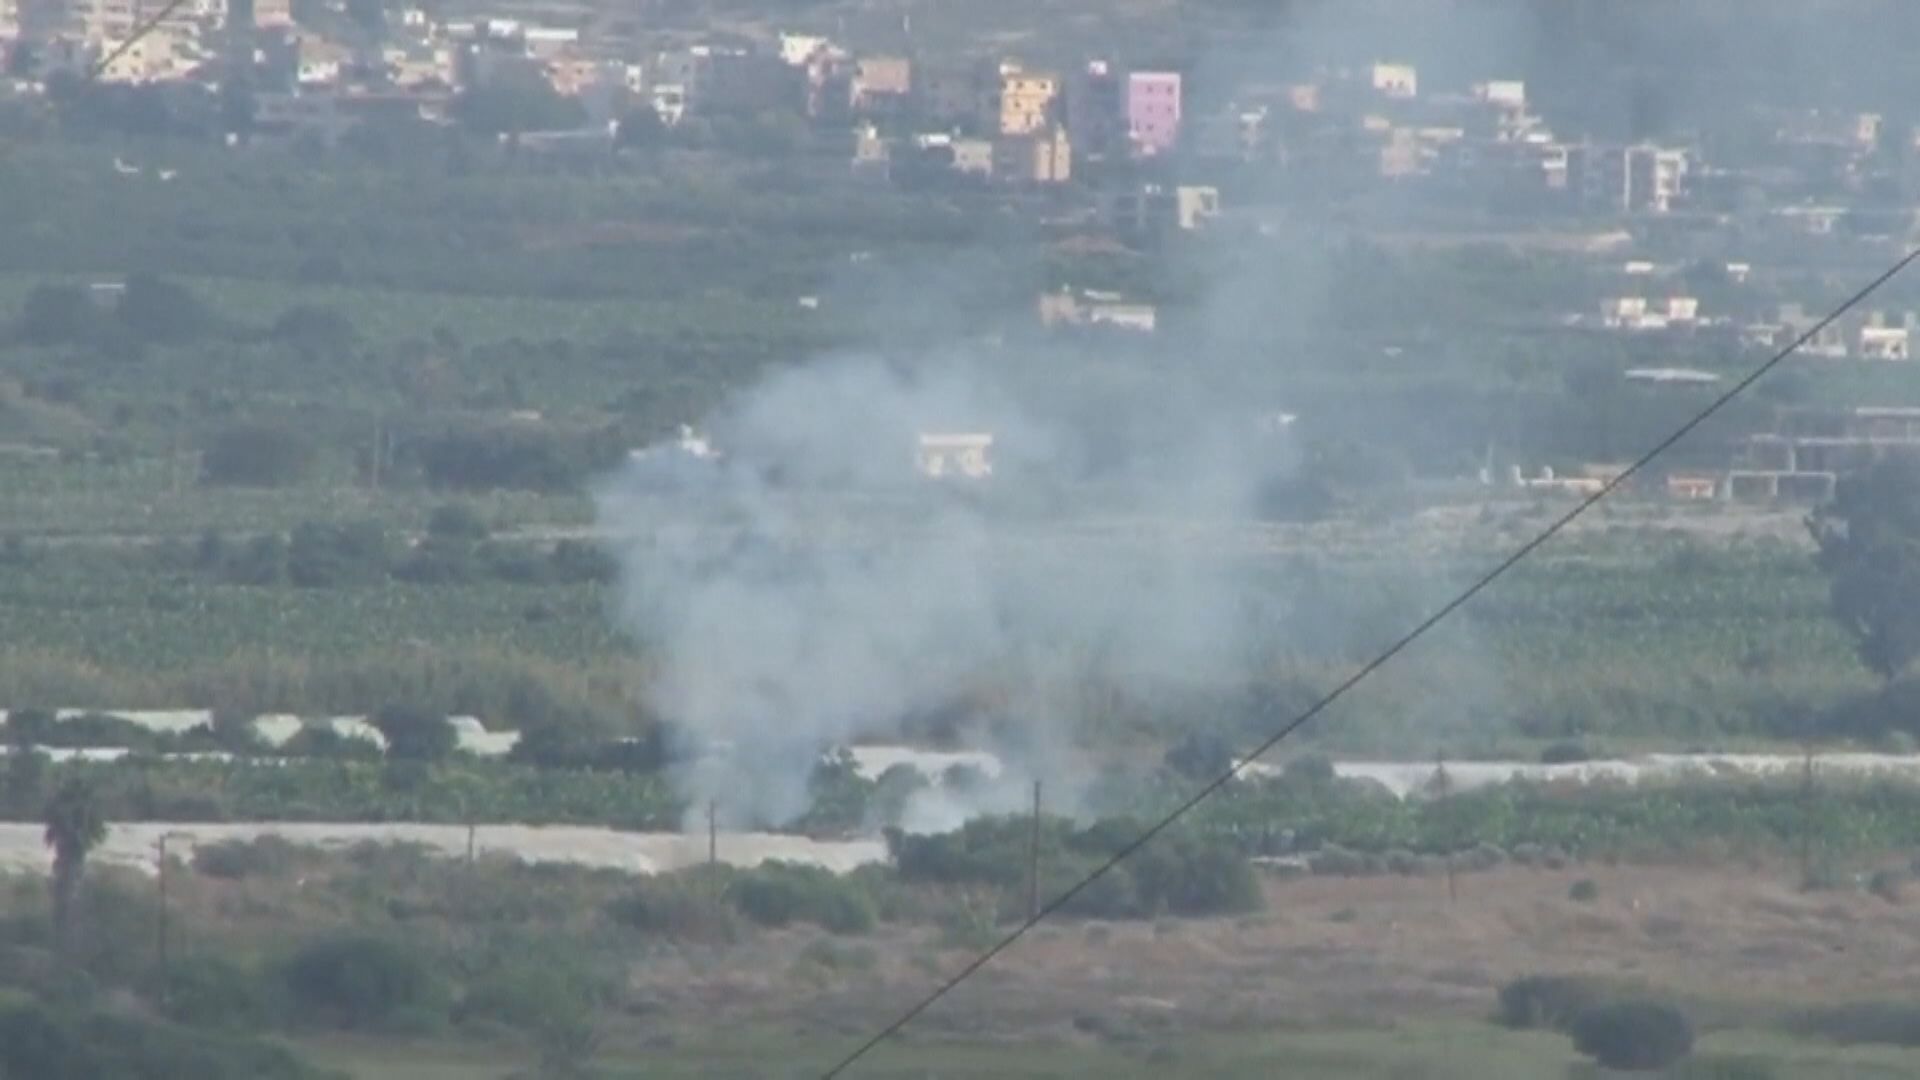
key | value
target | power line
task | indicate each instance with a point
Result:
(1370, 667)
(133, 38)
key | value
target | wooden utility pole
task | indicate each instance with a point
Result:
(1033, 859)
(1442, 787)
(713, 835)
(160, 937)
(1806, 819)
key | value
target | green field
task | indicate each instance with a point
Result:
(1419, 1050)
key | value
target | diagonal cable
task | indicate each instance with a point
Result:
(144, 28)
(1371, 666)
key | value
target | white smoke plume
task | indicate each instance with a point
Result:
(805, 587)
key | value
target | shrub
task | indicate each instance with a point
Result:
(1565, 752)
(57, 315)
(677, 906)
(777, 893)
(322, 741)
(207, 990)
(39, 1042)
(155, 309)
(1200, 756)
(264, 856)
(256, 455)
(527, 996)
(356, 982)
(415, 734)
(1633, 1034)
(1549, 1001)
(328, 554)
(1584, 891)
(1888, 884)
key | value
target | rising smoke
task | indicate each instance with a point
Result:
(806, 586)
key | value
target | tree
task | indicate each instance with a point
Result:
(1869, 541)
(56, 315)
(74, 827)
(256, 455)
(513, 106)
(415, 734)
(641, 129)
(1633, 1034)
(155, 309)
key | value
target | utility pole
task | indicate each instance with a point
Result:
(1443, 786)
(1806, 819)
(160, 939)
(1033, 859)
(713, 835)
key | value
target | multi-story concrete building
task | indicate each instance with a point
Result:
(1628, 179)
(1096, 110)
(1153, 111)
(1026, 100)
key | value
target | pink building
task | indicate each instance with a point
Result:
(1153, 111)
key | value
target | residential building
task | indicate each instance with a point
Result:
(1069, 308)
(1046, 158)
(1153, 111)
(963, 456)
(1400, 81)
(1506, 93)
(798, 50)
(320, 62)
(1628, 179)
(1026, 100)
(148, 57)
(1096, 111)
(550, 42)
(1884, 343)
(880, 84)
(670, 102)
(1232, 134)
(972, 157)
(9, 20)
(273, 14)
(872, 157)
(1153, 210)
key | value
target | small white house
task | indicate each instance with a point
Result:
(964, 455)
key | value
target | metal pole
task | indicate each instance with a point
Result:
(165, 977)
(1033, 859)
(1806, 820)
(713, 834)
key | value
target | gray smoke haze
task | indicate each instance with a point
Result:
(808, 587)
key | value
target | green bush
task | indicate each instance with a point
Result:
(1584, 891)
(1565, 752)
(361, 983)
(1633, 1034)
(256, 455)
(44, 1044)
(207, 990)
(778, 893)
(528, 996)
(681, 905)
(262, 856)
(415, 734)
